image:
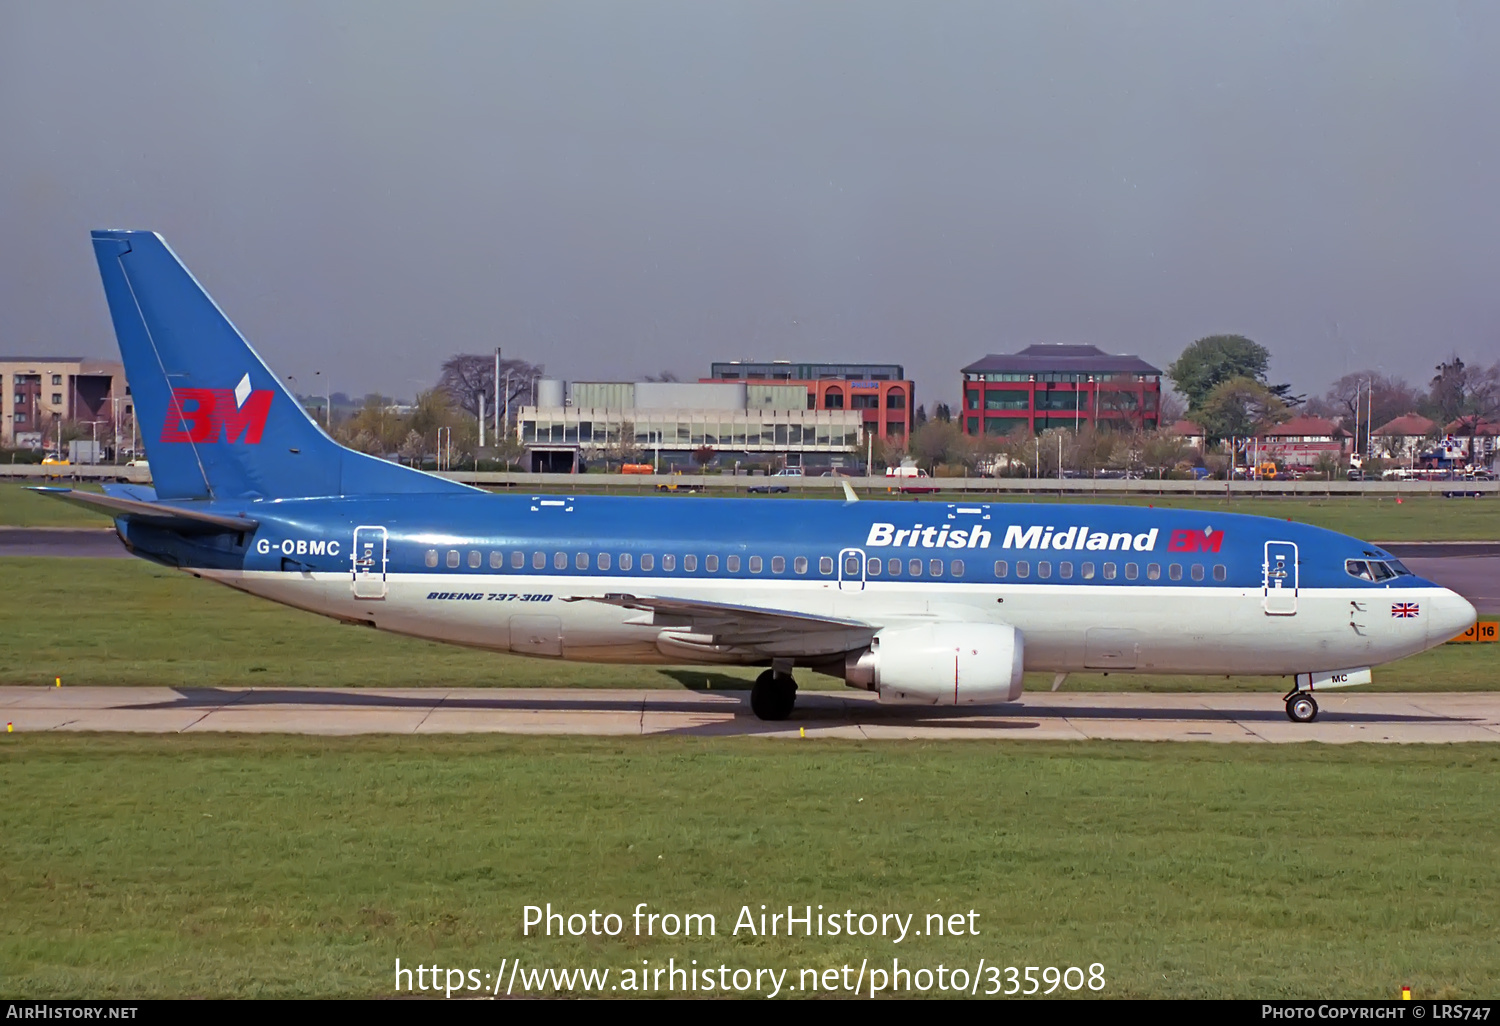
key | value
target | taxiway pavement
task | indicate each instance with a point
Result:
(1232, 717)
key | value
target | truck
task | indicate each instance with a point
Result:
(83, 450)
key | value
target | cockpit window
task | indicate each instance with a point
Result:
(1375, 570)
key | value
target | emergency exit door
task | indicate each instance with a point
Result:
(369, 558)
(1279, 579)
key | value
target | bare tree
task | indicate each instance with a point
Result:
(665, 375)
(1464, 397)
(467, 376)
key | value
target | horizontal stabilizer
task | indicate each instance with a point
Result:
(176, 518)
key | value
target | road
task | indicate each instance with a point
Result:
(1240, 717)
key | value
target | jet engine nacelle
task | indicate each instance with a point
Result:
(941, 664)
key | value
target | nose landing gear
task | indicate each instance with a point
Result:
(1301, 707)
(773, 695)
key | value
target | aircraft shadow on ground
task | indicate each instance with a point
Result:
(813, 708)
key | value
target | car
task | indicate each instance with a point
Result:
(54, 461)
(776, 488)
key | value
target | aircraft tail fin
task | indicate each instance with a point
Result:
(217, 423)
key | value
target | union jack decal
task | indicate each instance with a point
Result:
(1405, 609)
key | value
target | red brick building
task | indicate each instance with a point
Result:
(1059, 386)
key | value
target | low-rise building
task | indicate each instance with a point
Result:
(1059, 386)
(1302, 441)
(881, 392)
(39, 392)
(1403, 438)
(668, 422)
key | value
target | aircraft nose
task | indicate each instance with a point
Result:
(1448, 615)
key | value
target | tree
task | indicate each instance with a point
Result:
(665, 375)
(1161, 450)
(1367, 398)
(466, 376)
(413, 448)
(942, 413)
(921, 416)
(703, 456)
(1468, 395)
(1211, 361)
(1240, 406)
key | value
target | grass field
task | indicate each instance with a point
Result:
(113, 621)
(1420, 518)
(177, 866)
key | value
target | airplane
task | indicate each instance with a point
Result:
(931, 603)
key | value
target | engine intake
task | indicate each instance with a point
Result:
(941, 664)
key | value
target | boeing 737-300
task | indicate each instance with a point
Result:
(937, 603)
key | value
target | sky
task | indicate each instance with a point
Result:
(616, 189)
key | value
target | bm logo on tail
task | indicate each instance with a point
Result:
(217, 414)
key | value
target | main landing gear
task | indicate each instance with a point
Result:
(1301, 707)
(773, 695)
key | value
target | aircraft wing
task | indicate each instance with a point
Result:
(177, 518)
(731, 624)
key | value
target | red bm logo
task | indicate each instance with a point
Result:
(1206, 540)
(217, 414)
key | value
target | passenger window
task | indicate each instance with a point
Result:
(690, 563)
(778, 564)
(496, 560)
(559, 560)
(538, 561)
(1023, 569)
(1131, 571)
(453, 557)
(517, 560)
(958, 568)
(914, 567)
(431, 559)
(1088, 571)
(1175, 571)
(872, 566)
(1044, 569)
(626, 561)
(1221, 572)
(1109, 571)
(711, 564)
(474, 559)
(851, 566)
(799, 565)
(648, 562)
(668, 563)
(895, 567)
(1065, 570)
(734, 564)
(1001, 568)
(1153, 571)
(755, 564)
(1197, 571)
(935, 567)
(581, 561)
(602, 561)
(825, 564)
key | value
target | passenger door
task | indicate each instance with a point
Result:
(1279, 579)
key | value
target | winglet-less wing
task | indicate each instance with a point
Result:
(731, 624)
(177, 518)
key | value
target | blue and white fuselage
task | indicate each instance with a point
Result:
(931, 602)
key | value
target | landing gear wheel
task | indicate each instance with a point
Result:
(773, 696)
(1301, 708)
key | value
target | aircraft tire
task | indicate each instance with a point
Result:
(772, 697)
(1301, 708)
